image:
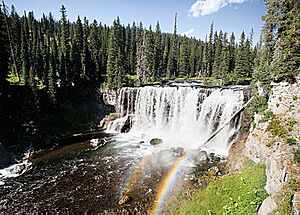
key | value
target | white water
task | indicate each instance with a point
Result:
(15, 170)
(180, 116)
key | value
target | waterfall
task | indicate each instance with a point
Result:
(181, 116)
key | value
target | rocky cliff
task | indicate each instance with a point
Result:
(273, 140)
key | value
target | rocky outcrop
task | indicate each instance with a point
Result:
(104, 123)
(109, 97)
(264, 147)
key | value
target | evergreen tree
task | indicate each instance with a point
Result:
(210, 51)
(224, 67)
(132, 56)
(241, 70)
(25, 54)
(217, 55)
(157, 53)
(65, 65)
(172, 59)
(4, 51)
(205, 60)
(232, 53)
(141, 68)
(14, 29)
(184, 58)
(94, 46)
(149, 53)
(115, 62)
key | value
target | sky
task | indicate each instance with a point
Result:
(194, 16)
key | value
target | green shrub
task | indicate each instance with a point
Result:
(291, 122)
(276, 128)
(258, 105)
(291, 141)
(297, 156)
(267, 115)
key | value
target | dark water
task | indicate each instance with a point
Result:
(78, 179)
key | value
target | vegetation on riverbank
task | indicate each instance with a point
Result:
(240, 193)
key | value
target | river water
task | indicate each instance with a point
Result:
(124, 173)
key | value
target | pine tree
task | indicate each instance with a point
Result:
(65, 65)
(89, 66)
(25, 54)
(14, 30)
(224, 67)
(286, 58)
(217, 55)
(165, 56)
(115, 69)
(192, 60)
(172, 59)
(210, 51)
(184, 58)
(132, 57)
(4, 51)
(149, 53)
(94, 46)
(232, 53)
(205, 59)
(241, 70)
(141, 68)
(157, 53)
(52, 73)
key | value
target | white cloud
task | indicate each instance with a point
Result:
(205, 7)
(188, 32)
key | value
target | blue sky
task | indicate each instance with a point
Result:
(194, 16)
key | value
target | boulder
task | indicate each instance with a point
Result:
(178, 152)
(201, 157)
(267, 207)
(155, 141)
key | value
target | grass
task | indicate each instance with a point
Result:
(285, 207)
(232, 194)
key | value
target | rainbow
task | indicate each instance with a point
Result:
(134, 177)
(167, 184)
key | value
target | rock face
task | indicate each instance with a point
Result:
(109, 97)
(273, 151)
(5, 157)
(104, 123)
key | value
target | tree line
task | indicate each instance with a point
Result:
(46, 53)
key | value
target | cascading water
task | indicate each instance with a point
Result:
(181, 116)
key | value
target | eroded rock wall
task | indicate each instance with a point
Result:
(265, 147)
